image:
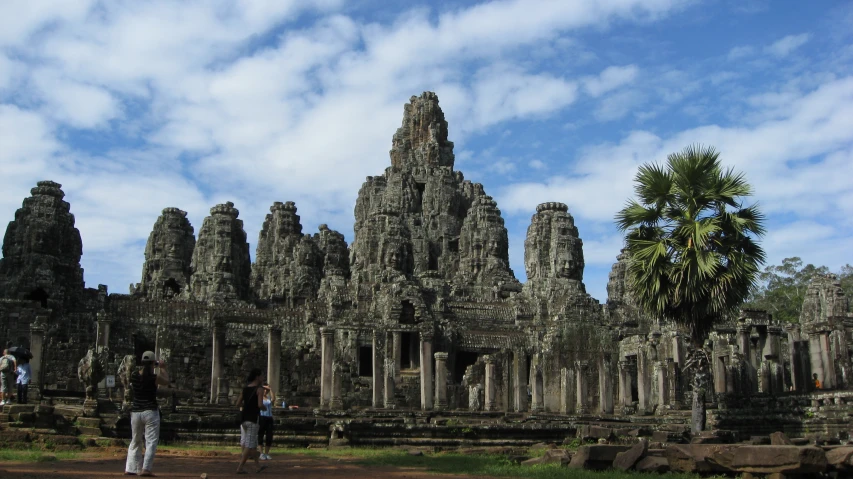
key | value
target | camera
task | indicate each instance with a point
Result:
(156, 363)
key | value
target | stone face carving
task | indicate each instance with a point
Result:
(553, 251)
(42, 249)
(221, 264)
(168, 256)
(824, 300)
(421, 219)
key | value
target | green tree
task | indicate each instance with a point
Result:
(693, 256)
(781, 289)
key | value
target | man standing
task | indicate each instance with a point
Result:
(7, 377)
(145, 415)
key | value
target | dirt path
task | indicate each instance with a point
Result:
(216, 467)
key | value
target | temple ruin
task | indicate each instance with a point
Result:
(420, 312)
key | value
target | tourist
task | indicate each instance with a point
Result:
(24, 373)
(7, 377)
(266, 422)
(145, 414)
(817, 384)
(251, 400)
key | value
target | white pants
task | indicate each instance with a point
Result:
(145, 423)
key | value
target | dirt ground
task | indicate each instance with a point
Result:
(184, 464)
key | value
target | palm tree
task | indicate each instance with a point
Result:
(693, 255)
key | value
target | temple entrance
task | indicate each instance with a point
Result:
(407, 313)
(632, 375)
(365, 361)
(463, 360)
(39, 295)
(410, 357)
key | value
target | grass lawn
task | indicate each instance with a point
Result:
(475, 465)
(34, 455)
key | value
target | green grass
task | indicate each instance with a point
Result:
(475, 465)
(33, 455)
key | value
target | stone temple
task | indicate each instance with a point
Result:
(420, 312)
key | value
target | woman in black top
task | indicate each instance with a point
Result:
(251, 400)
(145, 415)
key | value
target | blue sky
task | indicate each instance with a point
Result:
(136, 106)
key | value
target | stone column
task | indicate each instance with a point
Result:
(395, 344)
(624, 383)
(605, 387)
(440, 381)
(662, 384)
(274, 358)
(519, 371)
(743, 340)
(377, 370)
(389, 383)
(643, 384)
(336, 401)
(797, 380)
(828, 359)
(327, 347)
(567, 390)
(537, 399)
(103, 336)
(678, 350)
(218, 359)
(580, 395)
(674, 384)
(427, 389)
(222, 391)
(37, 349)
(490, 383)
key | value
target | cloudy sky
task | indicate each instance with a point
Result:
(135, 106)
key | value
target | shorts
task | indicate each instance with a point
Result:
(249, 434)
(6, 381)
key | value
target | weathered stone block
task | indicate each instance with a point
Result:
(587, 432)
(600, 456)
(784, 459)
(840, 458)
(780, 439)
(693, 457)
(652, 464)
(626, 460)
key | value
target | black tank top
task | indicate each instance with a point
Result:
(251, 411)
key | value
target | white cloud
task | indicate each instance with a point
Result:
(742, 51)
(610, 79)
(799, 164)
(784, 46)
(76, 104)
(537, 164)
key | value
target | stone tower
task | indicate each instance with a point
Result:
(168, 255)
(621, 304)
(220, 264)
(42, 250)
(272, 273)
(824, 301)
(553, 252)
(409, 221)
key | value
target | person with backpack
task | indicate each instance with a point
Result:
(7, 377)
(145, 415)
(251, 400)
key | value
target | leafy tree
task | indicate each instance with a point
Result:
(782, 288)
(693, 257)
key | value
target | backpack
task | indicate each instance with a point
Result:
(5, 364)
